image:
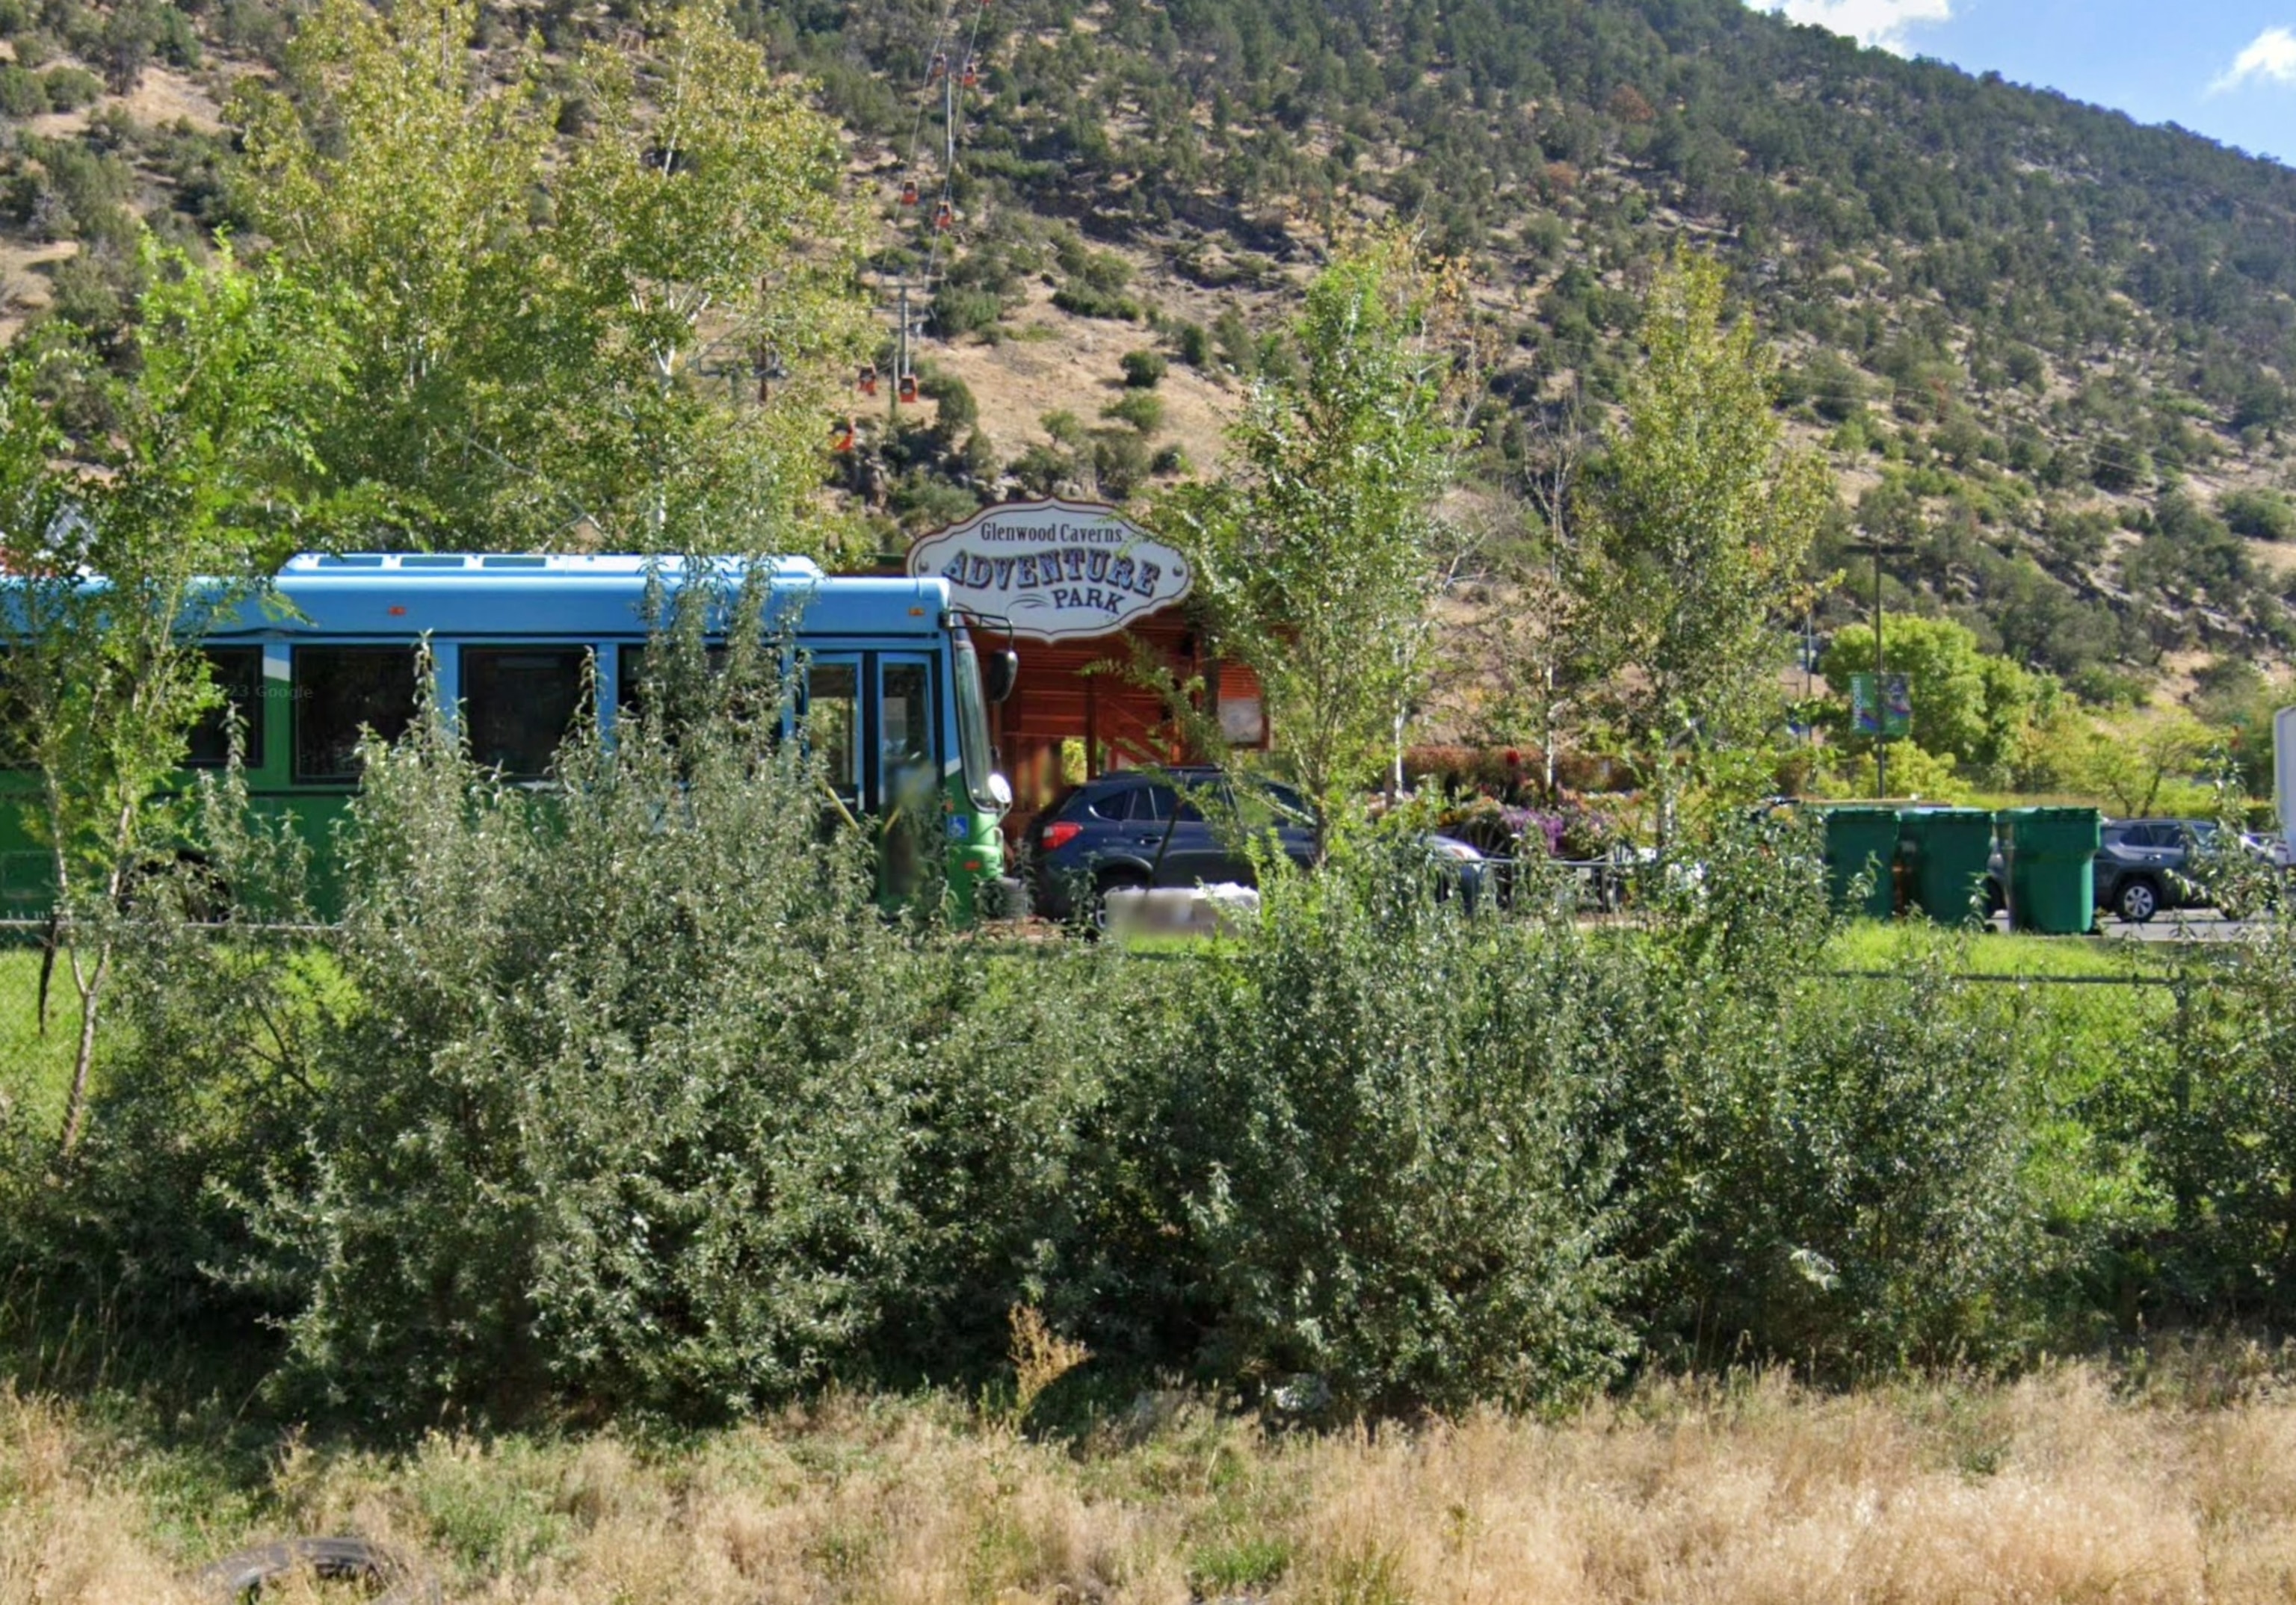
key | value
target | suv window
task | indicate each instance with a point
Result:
(1290, 806)
(1139, 804)
(1111, 806)
(1134, 802)
(1154, 805)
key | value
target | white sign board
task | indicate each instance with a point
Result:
(1057, 570)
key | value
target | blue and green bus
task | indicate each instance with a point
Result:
(525, 645)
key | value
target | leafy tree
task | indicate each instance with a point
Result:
(212, 477)
(2127, 761)
(629, 332)
(1696, 528)
(1914, 772)
(1318, 550)
(1526, 664)
(1969, 706)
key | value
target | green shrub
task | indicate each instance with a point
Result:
(632, 1096)
(2212, 1103)
(2262, 515)
(1138, 408)
(952, 397)
(1041, 469)
(1101, 270)
(1120, 461)
(207, 1104)
(964, 309)
(1826, 1174)
(1386, 1129)
(1143, 370)
(1086, 299)
(625, 1112)
(71, 87)
(922, 502)
(22, 94)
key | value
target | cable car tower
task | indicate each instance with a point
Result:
(953, 71)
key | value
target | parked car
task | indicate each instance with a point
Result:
(2246, 875)
(2148, 866)
(1136, 829)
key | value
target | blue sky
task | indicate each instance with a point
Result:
(2223, 67)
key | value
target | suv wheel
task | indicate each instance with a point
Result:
(2137, 901)
(1113, 880)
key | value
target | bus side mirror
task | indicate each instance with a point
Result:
(1000, 674)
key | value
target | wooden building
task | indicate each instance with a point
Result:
(1098, 611)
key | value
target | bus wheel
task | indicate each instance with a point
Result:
(1008, 897)
(196, 885)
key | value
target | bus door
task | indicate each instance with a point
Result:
(830, 713)
(905, 777)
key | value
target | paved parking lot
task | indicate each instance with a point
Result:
(2187, 925)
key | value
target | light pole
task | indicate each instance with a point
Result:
(1881, 713)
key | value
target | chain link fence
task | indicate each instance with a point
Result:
(2080, 1013)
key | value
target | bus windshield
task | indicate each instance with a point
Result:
(972, 729)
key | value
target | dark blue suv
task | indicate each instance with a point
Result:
(1137, 829)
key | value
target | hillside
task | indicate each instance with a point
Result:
(2050, 351)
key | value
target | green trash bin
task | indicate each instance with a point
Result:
(1860, 840)
(1947, 852)
(2050, 854)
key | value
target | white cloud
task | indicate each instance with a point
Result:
(2271, 55)
(1881, 22)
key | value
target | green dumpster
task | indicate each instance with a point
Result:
(1862, 841)
(1946, 851)
(2050, 854)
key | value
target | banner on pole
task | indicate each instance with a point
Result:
(1886, 708)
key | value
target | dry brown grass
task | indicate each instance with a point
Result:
(2054, 1488)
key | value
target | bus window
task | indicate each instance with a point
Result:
(15, 733)
(238, 674)
(630, 678)
(973, 750)
(908, 776)
(341, 691)
(520, 703)
(834, 721)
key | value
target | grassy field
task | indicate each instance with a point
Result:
(2071, 1485)
(1872, 945)
(34, 1067)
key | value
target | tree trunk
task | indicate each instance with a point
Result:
(91, 991)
